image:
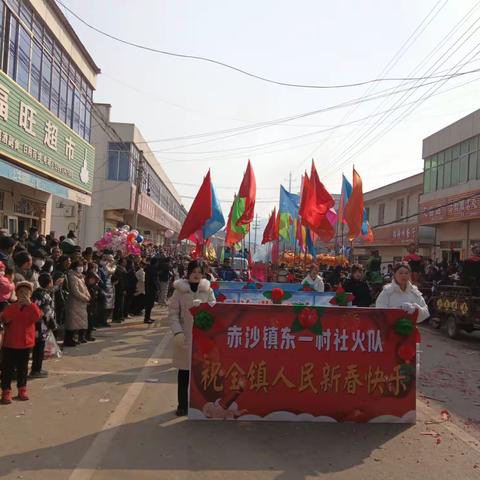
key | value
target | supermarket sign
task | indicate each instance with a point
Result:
(37, 139)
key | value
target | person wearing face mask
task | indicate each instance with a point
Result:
(76, 319)
(188, 292)
(38, 261)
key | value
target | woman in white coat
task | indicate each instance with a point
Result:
(187, 293)
(401, 293)
(314, 280)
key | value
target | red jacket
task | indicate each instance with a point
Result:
(20, 325)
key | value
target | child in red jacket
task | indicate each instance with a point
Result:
(19, 320)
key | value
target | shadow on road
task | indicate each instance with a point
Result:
(163, 444)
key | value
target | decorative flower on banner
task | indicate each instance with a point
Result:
(203, 320)
(308, 318)
(277, 295)
(221, 297)
(406, 352)
(341, 298)
(404, 327)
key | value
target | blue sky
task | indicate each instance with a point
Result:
(309, 42)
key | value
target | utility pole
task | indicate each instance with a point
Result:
(138, 190)
(255, 227)
(290, 182)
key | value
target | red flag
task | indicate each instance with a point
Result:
(200, 211)
(269, 232)
(314, 205)
(354, 209)
(248, 190)
(276, 230)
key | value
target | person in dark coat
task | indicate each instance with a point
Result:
(163, 267)
(151, 288)
(362, 296)
(44, 299)
(119, 281)
(92, 280)
(60, 295)
(131, 287)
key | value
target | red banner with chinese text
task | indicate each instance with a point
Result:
(276, 362)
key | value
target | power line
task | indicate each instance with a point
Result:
(237, 69)
(287, 139)
(354, 145)
(393, 61)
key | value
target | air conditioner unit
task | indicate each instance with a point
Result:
(69, 211)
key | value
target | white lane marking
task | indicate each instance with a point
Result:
(458, 432)
(87, 466)
(90, 372)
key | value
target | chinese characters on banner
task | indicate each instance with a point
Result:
(268, 362)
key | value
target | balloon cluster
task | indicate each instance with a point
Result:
(124, 239)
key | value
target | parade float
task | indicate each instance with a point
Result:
(267, 351)
(301, 363)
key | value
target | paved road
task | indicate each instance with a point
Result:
(450, 376)
(106, 412)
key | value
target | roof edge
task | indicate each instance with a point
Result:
(64, 20)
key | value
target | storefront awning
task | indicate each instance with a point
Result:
(19, 175)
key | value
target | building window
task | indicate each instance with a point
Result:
(381, 214)
(23, 67)
(118, 162)
(455, 165)
(400, 208)
(36, 61)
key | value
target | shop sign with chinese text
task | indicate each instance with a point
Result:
(34, 137)
(297, 363)
(448, 209)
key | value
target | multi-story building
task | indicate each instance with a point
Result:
(392, 213)
(451, 193)
(125, 166)
(47, 79)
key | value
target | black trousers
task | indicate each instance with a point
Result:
(149, 303)
(118, 309)
(14, 359)
(183, 376)
(37, 355)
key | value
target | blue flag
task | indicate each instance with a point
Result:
(217, 220)
(310, 246)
